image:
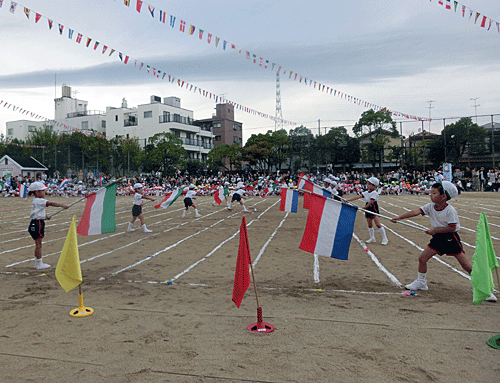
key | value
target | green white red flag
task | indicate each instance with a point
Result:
(99, 214)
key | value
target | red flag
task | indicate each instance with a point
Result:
(242, 274)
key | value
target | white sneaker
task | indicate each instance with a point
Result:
(371, 240)
(417, 284)
(184, 215)
(384, 242)
(129, 228)
(146, 230)
(39, 265)
(197, 215)
(491, 298)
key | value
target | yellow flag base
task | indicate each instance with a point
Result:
(81, 311)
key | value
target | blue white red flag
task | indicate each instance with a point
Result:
(329, 228)
(289, 200)
(64, 182)
(23, 191)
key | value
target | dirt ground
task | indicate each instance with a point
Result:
(335, 321)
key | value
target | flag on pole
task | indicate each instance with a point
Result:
(170, 198)
(219, 194)
(484, 261)
(329, 228)
(68, 271)
(313, 188)
(242, 274)
(63, 183)
(289, 200)
(99, 214)
(23, 191)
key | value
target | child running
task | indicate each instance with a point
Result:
(371, 197)
(238, 196)
(38, 217)
(445, 226)
(188, 201)
(137, 208)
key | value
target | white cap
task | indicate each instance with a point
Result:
(35, 186)
(226, 183)
(450, 189)
(374, 181)
(138, 186)
(191, 186)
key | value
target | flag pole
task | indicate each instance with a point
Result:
(81, 199)
(254, 285)
(361, 210)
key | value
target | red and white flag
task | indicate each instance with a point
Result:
(219, 195)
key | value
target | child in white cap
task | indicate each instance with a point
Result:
(371, 198)
(137, 208)
(445, 226)
(188, 201)
(38, 217)
(238, 196)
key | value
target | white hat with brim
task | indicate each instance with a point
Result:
(450, 189)
(138, 186)
(374, 181)
(35, 186)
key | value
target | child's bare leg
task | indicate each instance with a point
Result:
(464, 262)
(38, 248)
(370, 222)
(427, 254)
(141, 218)
(377, 221)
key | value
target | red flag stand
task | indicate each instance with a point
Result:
(260, 326)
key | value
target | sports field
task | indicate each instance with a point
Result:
(335, 321)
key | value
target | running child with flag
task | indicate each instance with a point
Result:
(137, 208)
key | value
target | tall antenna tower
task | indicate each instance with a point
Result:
(278, 123)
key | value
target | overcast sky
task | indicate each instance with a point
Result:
(398, 54)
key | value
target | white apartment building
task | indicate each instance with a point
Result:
(142, 122)
(146, 120)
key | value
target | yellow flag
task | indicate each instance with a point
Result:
(68, 272)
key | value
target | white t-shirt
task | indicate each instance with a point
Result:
(441, 218)
(241, 192)
(370, 195)
(39, 205)
(190, 194)
(138, 199)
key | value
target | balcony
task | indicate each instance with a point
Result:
(86, 113)
(129, 123)
(194, 142)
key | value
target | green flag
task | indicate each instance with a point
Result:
(484, 262)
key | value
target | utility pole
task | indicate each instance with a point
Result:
(475, 106)
(430, 107)
(319, 127)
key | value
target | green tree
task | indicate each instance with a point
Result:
(226, 156)
(300, 140)
(375, 128)
(164, 153)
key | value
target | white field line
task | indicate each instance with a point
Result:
(94, 241)
(377, 262)
(175, 244)
(254, 263)
(218, 246)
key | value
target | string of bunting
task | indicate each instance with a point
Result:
(466, 11)
(5, 142)
(166, 18)
(127, 59)
(18, 109)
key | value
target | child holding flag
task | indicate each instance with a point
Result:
(188, 201)
(371, 197)
(445, 226)
(238, 196)
(38, 217)
(137, 208)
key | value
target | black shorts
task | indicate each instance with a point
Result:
(188, 202)
(37, 228)
(446, 243)
(136, 210)
(373, 208)
(236, 197)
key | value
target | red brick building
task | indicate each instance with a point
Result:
(223, 126)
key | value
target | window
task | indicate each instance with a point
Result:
(148, 114)
(177, 133)
(236, 139)
(85, 125)
(103, 124)
(177, 117)
(31, 128)
(217, 138)
(217, 125)
(10, 132)
(116, 118)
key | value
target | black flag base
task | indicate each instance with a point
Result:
(494, 342)
(260, 326)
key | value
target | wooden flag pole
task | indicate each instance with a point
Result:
(254, 285)
(81, 199)
(361, 210)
